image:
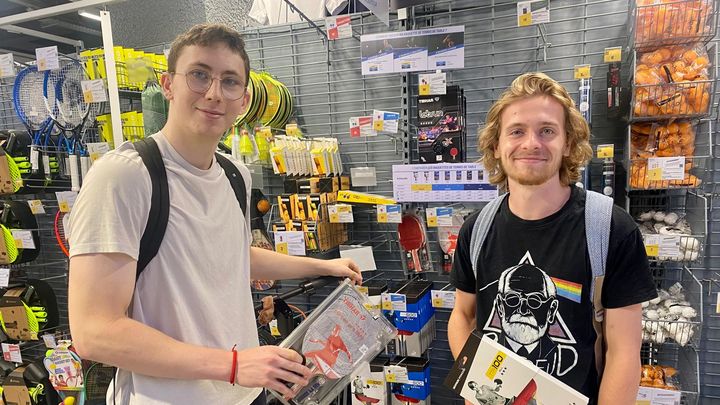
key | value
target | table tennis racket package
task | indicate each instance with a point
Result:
(441, 127)
(339, 334)
(413, 240)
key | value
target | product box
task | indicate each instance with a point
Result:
(329, 185)
(418, 373)
(488, 373)
(412, 344)
(441, 127)
(344, 182)
(368, 383)
(419, 307)
(657, 396)
(285, 207)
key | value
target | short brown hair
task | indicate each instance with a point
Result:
(209, 35)
(577, 130)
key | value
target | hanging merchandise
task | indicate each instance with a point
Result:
(658, 23)
(339, 334)
(17, 217)
(448, 236)
(441, 127)
(154, 108)
(673, 82)
(66, 372)
(270, 102)
(26, 310)
(585, 99)
(37, 381)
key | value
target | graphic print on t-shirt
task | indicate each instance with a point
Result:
(525, 318)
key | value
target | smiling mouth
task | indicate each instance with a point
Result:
(210, 112)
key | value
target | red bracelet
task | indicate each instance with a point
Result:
(234, 365)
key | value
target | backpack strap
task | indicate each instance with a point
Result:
(160, 200)
(482, 226)
(598, 217)
(236, 180)
(159, 203)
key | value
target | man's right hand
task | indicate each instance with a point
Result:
(270, 367)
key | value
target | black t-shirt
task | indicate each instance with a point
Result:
(533, 285)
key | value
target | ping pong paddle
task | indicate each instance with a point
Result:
(447, 236)
(412, 239)
(336, 342)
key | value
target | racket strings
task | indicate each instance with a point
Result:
(70, 99)
(29, 99)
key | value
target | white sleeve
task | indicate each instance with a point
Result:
(258, 12)
(335, 6)
(112, 209)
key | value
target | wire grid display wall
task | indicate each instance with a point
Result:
(496, 51)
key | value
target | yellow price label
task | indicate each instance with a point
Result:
(274, 331)
(42, 64)
(363, 290)
(282, 247)
(424, 89)
(334, 218)
(368, 306)
(88, 96)
(582, 72)
(382, 217)
(432, 222)
(94, 156)
(36, 207)
(387, 305)
(605, 151)
(18, 243)
(652, 250)
(613, 54)
(421, 187)
(64, 207)
(437, 302)
(655, 174)
(525, 19)
(378, 125)
(390, 377)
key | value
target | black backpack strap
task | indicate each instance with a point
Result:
(159, 203)
(236, 180)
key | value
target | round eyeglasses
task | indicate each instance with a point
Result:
(200, 81)
(534, 301)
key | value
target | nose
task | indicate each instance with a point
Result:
(532, 140)
(524, 308)
(214, 93)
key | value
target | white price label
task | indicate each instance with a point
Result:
(4, 277)
(94, 91)
(665, 246)
(391, 214)
(274, 330)
(34, 158)
(292, 241)
(341, 213)
(431, 84)
(96, 150)
(7, 65)
(66, 200)
(439, 216)
(394, 302)
(36, 206)
(666, 168)
(23, 238)
(47, 58)
(338, 27)
(49, 340)
(396, 374)
(11, 352)
(443, 299)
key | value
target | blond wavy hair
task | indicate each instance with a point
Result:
(577, 130)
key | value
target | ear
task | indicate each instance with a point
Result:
(566, 149)
(496, 153)
(499, 307)
(245, 103)
(552, 312)
(166, 85)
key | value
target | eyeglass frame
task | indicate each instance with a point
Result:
(543, 300)
(212, 79)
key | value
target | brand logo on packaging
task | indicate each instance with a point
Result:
(495, 365)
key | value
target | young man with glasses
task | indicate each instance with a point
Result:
(185, 331)
(529, 285)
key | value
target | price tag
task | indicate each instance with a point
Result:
(94, 91)
(439, 216)
(666, 168)
(66, 200)
(582, 72)
(36, 206)
(292, 130)
(363, 290)
(606, 151)
(396, 374)
(274, 330)
(4, 277)
(432, 84)
(7, 65)
(341, 213)
(34, 158)
(11, 352)
(338, 27)
(290, 243)
(47, 58)
(524, 20)
(97, 150)
(49, 340)
(432, 222)
(652, 245)
(443, 299)
(23, 238)
(669, 246)
(613, 54)
(394, 302)
(391, 214)
(378, 125)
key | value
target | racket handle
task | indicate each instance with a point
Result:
(84, 167)
(416, 261)
(46, 165)
(74, 174)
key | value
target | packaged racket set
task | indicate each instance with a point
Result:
(336, 338)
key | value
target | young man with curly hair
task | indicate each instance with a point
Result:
(530, 286)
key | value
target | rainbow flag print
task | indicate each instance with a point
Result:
(568, 289)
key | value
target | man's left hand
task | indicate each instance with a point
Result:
(342, 268)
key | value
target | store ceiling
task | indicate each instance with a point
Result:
(71, 26)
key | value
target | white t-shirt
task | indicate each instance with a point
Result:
(197, 288)
(271, 12)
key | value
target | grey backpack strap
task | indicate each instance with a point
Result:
(482, 226)
(598, 216)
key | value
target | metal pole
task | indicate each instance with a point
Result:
(113, 92)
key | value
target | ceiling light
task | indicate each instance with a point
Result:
(89, 15)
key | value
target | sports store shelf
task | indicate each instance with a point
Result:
(327, 87)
